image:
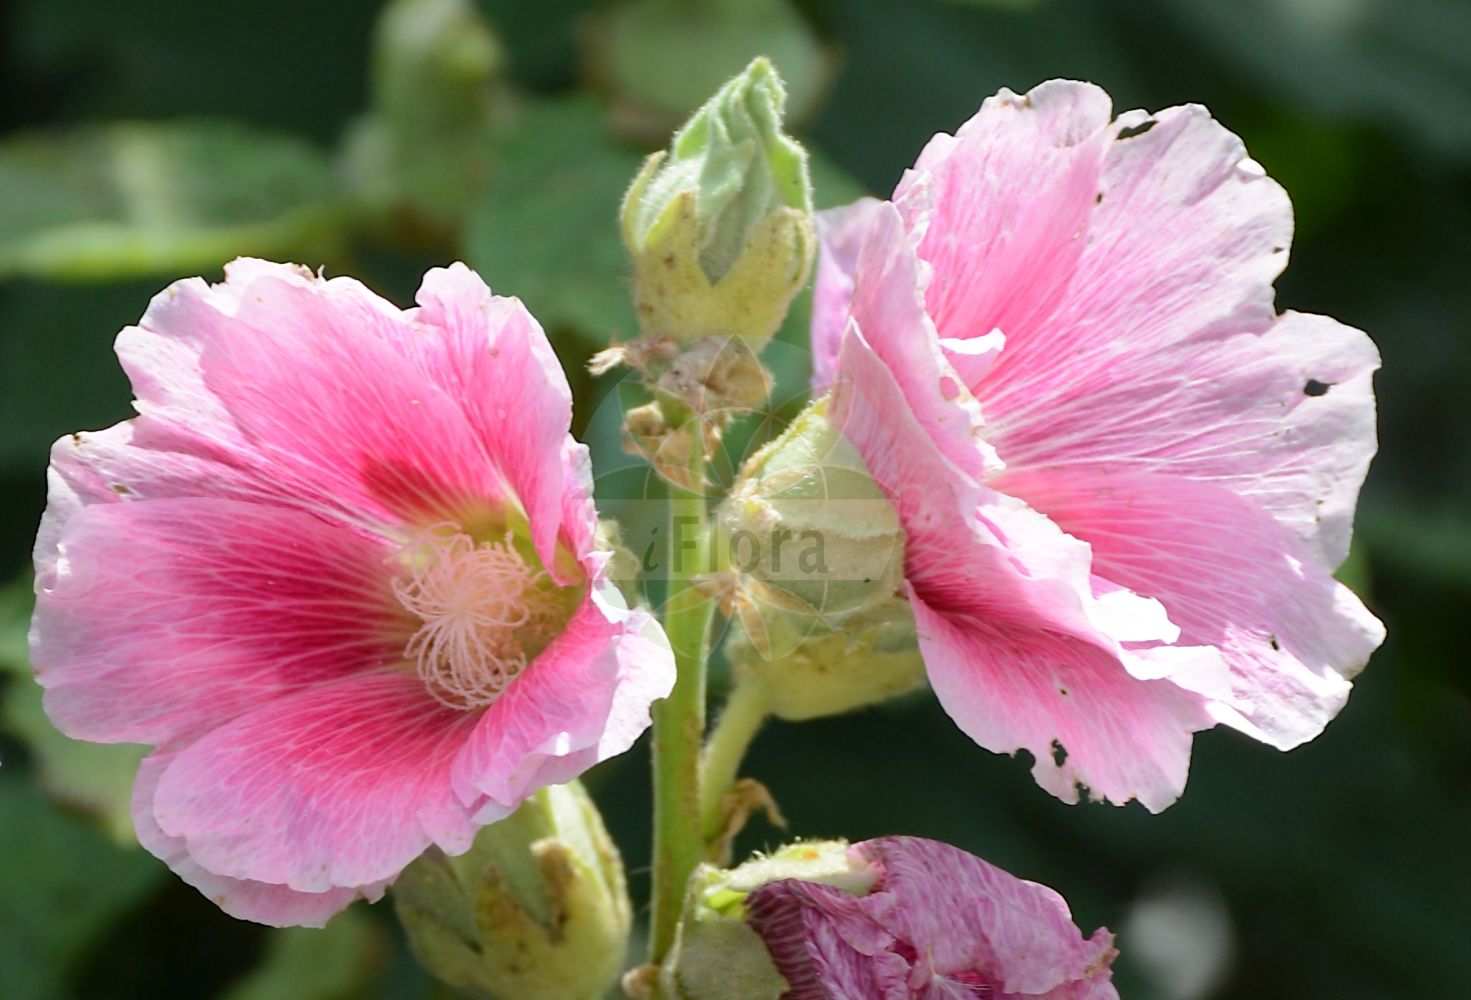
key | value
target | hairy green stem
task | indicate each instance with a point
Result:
(679, 720)
(737, 726)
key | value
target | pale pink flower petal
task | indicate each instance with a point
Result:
(946, 512)
(1004, 204)
(1284, 417)
(1024, 648)
(1120, 473)
(1291, 634)
(939, 923)
(888, 310)
(339, 785)
(840, 233)
(1093, 729)
(343, 549)
(261, 902)
(1166, 351)
(1184, 243)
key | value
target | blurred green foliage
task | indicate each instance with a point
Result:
(104, 202)
(344, 961)
(61, 886)
(546, 229)
(139, 143)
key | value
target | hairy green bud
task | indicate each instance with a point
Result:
(808, 673)
(809, 529)
(537, 909)
(817, 555)
(720, 226)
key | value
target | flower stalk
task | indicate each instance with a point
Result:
(740, 720)
(720, 233)
(679, 720)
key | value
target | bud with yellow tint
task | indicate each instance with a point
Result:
(537, 909)
(720, 226)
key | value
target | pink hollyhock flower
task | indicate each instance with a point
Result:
(935, 924)
(1123, 477)
(341, 573)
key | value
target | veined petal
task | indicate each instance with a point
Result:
(1138, 472)
(825, 942)
(934, 923)
(973, 915)
(971, 549)
(1010, 616)
(1231, 577)
(336, 401)
(1183, 246)
(163, 618)
(1010, 198)
(261, 902)
(1093, 730)
(137, 459)
(1284, 417)
(840, 233)
(339, 785)
(888, 311)
(497, 364)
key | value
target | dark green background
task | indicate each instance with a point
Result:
(1342, 867)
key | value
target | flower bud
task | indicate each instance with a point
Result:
(807, 520)
(720, 227)
(817, 554)
(537, 909)
(892, 917)
(809, 671)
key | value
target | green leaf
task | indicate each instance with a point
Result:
(92, 778)
(339, 962)
(547, 230)
(136, 198)
(62, 884)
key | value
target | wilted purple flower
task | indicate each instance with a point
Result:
(897, 918)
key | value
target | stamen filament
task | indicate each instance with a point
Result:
(486, 613)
